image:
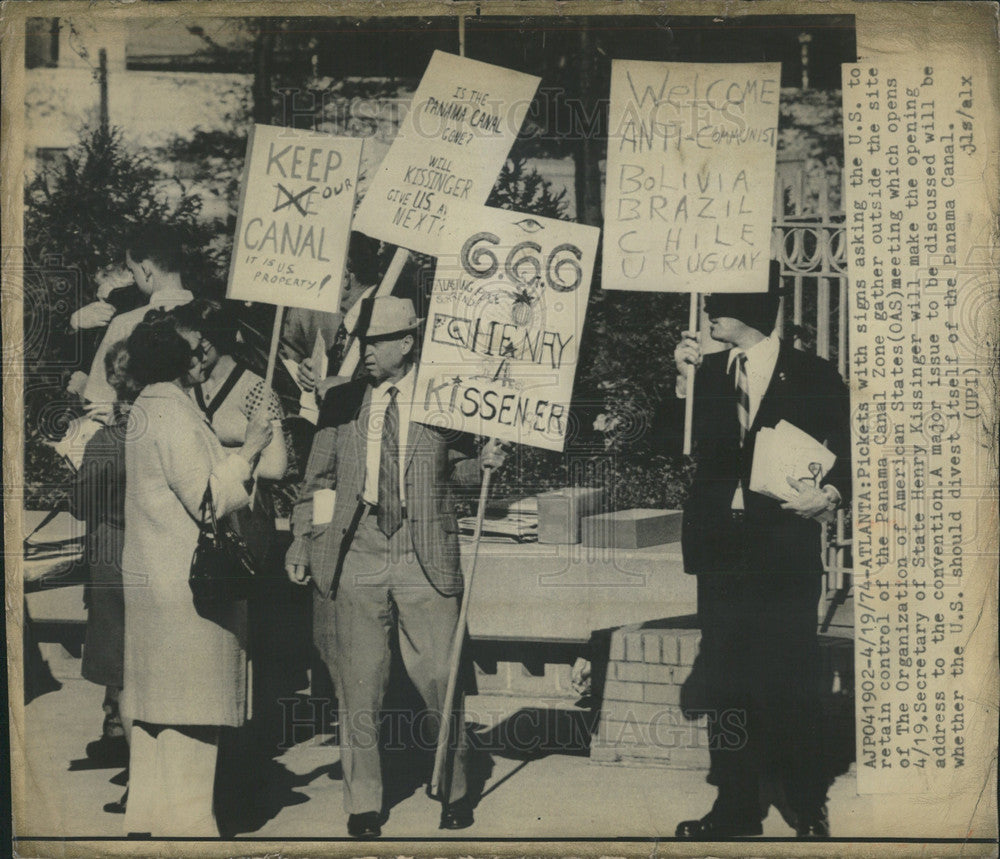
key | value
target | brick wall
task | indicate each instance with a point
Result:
(641, 717)
(642, 720)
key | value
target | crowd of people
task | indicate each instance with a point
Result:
(374, 537)
(172, 411)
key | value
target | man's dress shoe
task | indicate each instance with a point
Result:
(364, 826)
(117, 807)
(457, 815)
(815, 824)
(713, 826)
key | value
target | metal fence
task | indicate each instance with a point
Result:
(809, 240)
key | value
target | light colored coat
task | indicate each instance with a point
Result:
(180, 668)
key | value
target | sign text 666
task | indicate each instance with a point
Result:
(524, 262)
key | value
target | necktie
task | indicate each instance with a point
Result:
(390, 509)
(742, 395)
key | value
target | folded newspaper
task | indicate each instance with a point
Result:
(783, 452)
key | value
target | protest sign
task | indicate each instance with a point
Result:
(449, 150)
(690, 176)
(295, 218)
(503, 326)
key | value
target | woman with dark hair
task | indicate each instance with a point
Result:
(98, 498)
(184, 671)
(230, 396)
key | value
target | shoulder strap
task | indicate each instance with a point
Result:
(227, 386)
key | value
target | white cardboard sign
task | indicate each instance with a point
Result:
(295, 215)
(690, 176)
(449, 150)
(503, 326)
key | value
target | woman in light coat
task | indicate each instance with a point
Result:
(184, 672)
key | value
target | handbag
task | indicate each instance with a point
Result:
(222, 568)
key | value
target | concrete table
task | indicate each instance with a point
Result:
(563, 593)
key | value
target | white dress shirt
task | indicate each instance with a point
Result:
(761, 360)
(376, 416)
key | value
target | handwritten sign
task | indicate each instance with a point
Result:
(295, 218)
(690, 176)
(503, 326)
(449, 150)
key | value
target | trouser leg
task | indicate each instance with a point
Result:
(362, 621)
(427, 622)
(172, 780)
(795, 724)
(324, 683)
(733, 723)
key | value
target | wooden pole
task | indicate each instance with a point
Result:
(352, 353)
(272, 355)
(272, 358)
(689, 394)
(456, 647)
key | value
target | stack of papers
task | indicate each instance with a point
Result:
(506, 520)
(783, 452)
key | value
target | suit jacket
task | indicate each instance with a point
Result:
(435, 462)
(807, 392)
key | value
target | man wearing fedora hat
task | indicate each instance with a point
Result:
(758, 561)
(387, 555)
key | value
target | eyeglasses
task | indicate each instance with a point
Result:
(201, 350)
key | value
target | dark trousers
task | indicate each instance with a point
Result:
(762, 670)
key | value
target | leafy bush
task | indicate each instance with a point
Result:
(77, 219)
(625, 358)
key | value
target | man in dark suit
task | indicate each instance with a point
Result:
(758, 561)
(387, 554)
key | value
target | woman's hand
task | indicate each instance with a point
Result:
(259, 435)
(306, 376)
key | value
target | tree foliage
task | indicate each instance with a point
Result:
(78, 216)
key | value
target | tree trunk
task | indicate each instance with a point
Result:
(586, 154)
(263, 57)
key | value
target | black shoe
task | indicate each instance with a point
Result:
(364, 826)
(714, 826)
(109, 751)
(457, 815)
(117, 807)
(813, 824)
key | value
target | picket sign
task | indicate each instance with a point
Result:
(690, 181)
(464, 117)
(296, 203)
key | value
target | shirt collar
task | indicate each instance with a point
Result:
(170, 296)
(760, 351)
(405, 386)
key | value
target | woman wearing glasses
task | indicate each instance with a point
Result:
(184, 671)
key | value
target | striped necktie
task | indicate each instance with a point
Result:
(390, 509)
(742, 395)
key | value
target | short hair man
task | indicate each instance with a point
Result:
(155, 259)
(388, 554)
(758, 561)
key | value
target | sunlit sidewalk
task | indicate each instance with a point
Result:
(532, 796)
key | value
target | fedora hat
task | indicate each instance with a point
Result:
(757, 309)
(391, 315)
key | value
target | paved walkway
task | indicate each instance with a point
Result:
(549, 795)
